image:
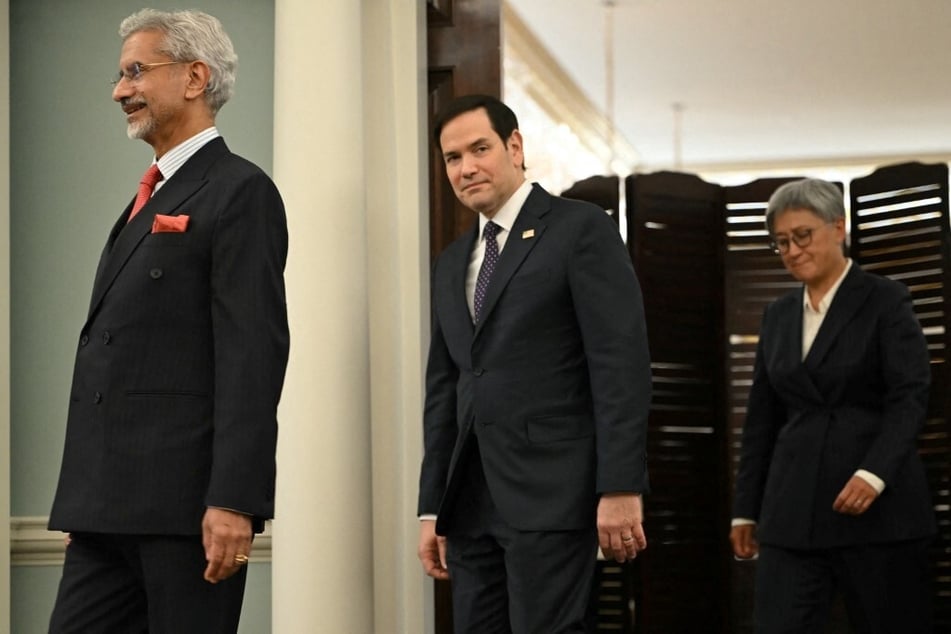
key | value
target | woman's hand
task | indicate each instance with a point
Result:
(744, 542)
(855, 497)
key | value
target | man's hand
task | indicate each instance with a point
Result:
(855, 498)
(225, 534)
(743, 540)
(620, 531)
(432, 550)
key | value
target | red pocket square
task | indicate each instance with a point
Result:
(169, 224)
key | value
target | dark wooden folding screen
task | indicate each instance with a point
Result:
(900, 229)
(753, 277)
(700, 251)
(675, 236)
(603, 191)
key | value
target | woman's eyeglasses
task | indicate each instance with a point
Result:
(801, 237)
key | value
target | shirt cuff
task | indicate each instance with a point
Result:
(876, 483)
(427, 516)
(742, 521)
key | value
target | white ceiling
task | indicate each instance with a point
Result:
(763, 81)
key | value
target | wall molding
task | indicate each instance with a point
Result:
(31, 544)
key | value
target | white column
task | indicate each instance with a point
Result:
(351, 162)
(398, 238)
(322, 545)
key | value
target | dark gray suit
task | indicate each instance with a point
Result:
(552, 387)
(180, 362)
(857, 401)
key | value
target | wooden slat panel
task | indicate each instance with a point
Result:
(614, 598)
(602, 191)
(900, 228)
(753, 277)
(675, 238)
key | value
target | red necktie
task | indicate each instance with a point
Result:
(146, 187)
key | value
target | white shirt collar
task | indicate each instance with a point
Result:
(505, 217)
(176, 157)
(830, 294)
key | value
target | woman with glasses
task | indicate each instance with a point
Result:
(831, 495)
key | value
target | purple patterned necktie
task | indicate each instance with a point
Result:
(490, 231)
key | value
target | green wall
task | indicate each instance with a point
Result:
(73, 170)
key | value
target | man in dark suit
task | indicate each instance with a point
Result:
(831, 492)
(168, 467)
(537, 392)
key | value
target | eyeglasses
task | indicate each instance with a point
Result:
(134, 71)
(801, 237)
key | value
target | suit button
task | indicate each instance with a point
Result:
(84, 340)
(155, 273)
(106, 337)
(97, 398)
(478, 371)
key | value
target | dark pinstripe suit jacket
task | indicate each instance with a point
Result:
(181, 360)
(858, 400)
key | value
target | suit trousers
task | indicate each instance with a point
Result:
(509, 581)
(886, 588)
(129, 584)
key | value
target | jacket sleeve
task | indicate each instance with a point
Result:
(765, 414)
(610, 314)
(906, 378)
(439, 417)
(251, 340)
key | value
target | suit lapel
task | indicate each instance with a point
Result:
(104, 257)
(847, 301)
(792, 324)
(787, 332)
(459, 269)
(793, 347)
(525, 234)
(126, 236)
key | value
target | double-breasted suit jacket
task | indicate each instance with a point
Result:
(857, 401)
(554, 381)
(180, 362)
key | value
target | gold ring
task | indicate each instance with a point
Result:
(627, 539)
(240, 560)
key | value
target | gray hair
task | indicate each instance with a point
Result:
(820, 197)
(191, 35)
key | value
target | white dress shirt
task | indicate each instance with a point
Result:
(176, 157)
(505, 219)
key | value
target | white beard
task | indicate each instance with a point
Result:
(140, 129)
